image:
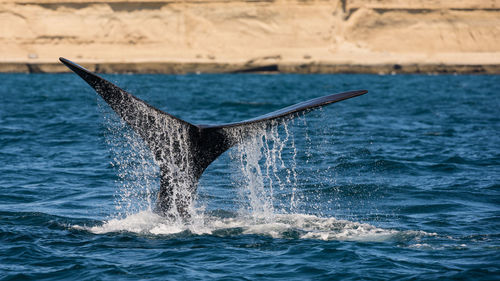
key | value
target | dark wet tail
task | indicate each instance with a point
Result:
(181, 149)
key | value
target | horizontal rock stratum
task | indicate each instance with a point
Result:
(160, 36)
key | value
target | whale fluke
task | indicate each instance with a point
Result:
(181, 149)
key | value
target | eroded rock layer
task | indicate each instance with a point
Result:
(220, 36)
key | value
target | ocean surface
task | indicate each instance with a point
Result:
(401, 183)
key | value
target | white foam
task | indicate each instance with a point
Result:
(283, 226)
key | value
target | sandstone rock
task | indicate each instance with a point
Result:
(231, 33)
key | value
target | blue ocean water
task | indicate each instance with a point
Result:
(401, 183)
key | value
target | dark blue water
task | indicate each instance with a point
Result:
(401, 183)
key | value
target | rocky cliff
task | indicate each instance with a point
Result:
(231, 35)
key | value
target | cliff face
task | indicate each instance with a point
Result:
(252, 32)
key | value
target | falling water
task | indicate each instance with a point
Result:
(139, 170)
(267, 174)
(138, 174)
(266, 168)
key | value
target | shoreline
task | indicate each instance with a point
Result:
(169, 67)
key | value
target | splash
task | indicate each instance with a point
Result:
(267, 180)
(138, 174)
(177, 178)
(266, 160)
(139, 167)
(284, 226)
(266, 170)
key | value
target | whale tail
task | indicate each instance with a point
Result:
(181, 149)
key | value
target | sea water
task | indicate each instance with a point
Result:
(403, 182)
